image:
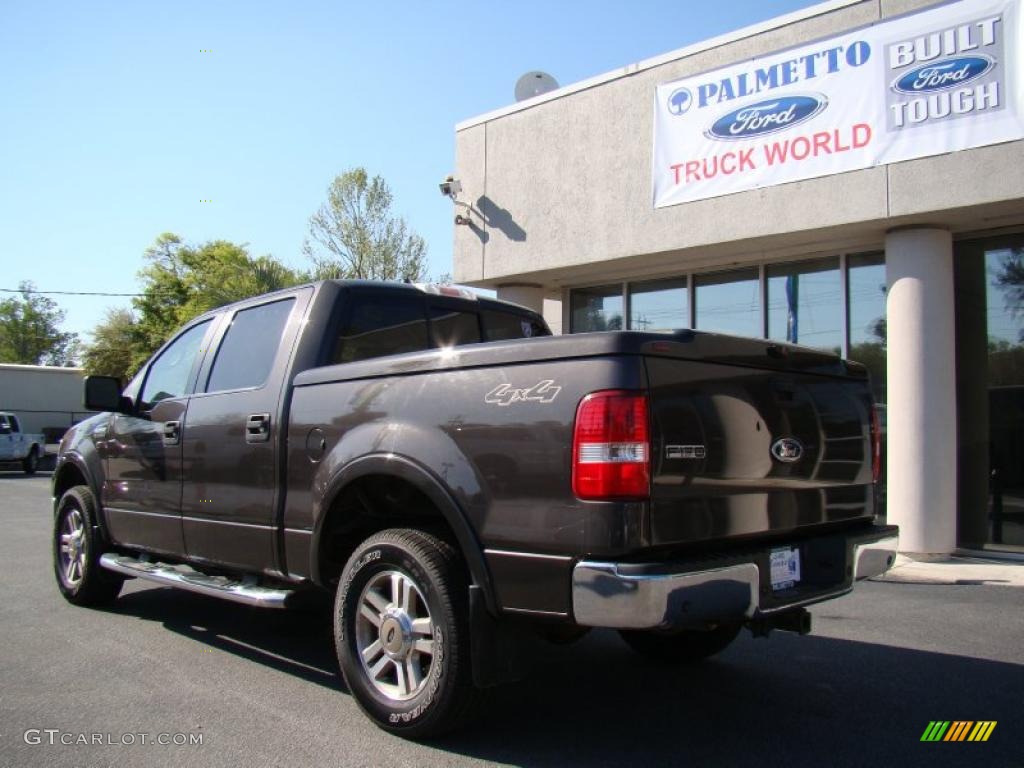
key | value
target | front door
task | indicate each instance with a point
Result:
(142, 490)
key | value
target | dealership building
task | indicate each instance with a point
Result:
(848, 177)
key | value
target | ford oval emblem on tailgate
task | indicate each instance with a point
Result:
(787, 450)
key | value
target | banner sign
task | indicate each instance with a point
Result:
(932, 82)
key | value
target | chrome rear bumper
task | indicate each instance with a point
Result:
(605, 595)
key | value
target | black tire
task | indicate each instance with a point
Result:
(683, 647)
(76, 557)
(438, 692)
(31, 462)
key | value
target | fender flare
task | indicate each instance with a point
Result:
(423, 480)
(79, 462)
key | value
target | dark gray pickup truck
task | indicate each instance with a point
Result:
(462, 481)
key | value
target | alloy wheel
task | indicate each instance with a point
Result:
(394, 635)
(72, 547)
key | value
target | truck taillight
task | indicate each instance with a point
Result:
(611, 446)
(876, 444)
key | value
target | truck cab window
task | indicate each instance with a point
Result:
(169, 374)
(499, 326)
(379, 325)
(452, 327)
(250, 345)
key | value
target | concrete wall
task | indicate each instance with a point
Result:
(41, 396)
(561, 189)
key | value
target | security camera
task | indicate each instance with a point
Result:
(450, 187)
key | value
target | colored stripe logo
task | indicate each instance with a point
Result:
(958, 730)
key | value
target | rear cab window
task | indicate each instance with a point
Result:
(501, 325)
(376, 323)
(453, 325)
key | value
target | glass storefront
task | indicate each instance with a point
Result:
(659, 305)
(597, 309)
(729, 302)
(805, 304)
(990, 392)
(866, 284)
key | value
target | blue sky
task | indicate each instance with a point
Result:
(114, 125)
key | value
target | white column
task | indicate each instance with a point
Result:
(921, 408)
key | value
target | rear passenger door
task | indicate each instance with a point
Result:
(230, 439)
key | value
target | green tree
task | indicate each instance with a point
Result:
(355, 235)
(115, 347)
(182, 281)
(30, 330)
(179, 282)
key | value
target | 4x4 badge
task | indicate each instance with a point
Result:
(541, 392)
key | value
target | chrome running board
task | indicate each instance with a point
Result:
(245, 591)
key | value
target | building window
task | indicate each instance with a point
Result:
(867, 286)
(729, 302)
(658, 305)
(597, 309)
(1004, 289)
(805, 304)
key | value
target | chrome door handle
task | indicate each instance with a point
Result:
(257, 428)
(172, 432)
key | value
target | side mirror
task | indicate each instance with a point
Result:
(103, 393)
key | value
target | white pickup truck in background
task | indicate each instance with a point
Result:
(16, 445)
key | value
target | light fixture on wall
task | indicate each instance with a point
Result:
(450, 187)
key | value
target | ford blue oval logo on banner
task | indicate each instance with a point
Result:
(766, 117)
(942, 75)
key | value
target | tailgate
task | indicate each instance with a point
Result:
(773, 440)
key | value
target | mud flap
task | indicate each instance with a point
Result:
(501, 649)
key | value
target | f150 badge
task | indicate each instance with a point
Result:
(541, 392)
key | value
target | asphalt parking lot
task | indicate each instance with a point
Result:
(262, 688)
